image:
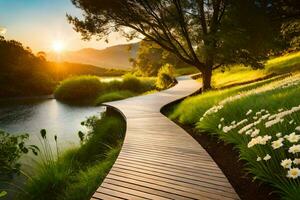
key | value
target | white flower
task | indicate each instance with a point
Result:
(278, 135)
(259, 140)
(286, 163)
(222, 119)
(249, 112)
(201, 118)
(258, 159)
(255, 133)
(277, 143)
(294, 149)
(292, 121)
(293, 173)
(267, 157)
(220, 126)
(293, 137)
(233, 122)
(255, 117)
(226, 129)
(280, 110)
(297, 128)
(296, 161)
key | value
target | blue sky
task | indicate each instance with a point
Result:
(39, 23)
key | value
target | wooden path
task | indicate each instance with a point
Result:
(159, 160)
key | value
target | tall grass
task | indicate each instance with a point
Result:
(91, 90)
(77, 172)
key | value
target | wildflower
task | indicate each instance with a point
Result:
(219, 126)
(297, 128)
(280, 110)
(255, 133)
(286, 163)
(292, 121)
(222, 119)
(258, 159)
(226, 129)
(277, 143)
(249, 112)
(293, 137)
(233, 122)
(278, 135)
(255, 117)
(267, 157)
(296, 161)
(293, 173)
(294, 149)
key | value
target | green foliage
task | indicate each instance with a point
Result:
(12, 148)
(165, 77)
(113, 96)
(199, 104)
(78, 88)
(150, 57)
(91, 90)
(76, 173)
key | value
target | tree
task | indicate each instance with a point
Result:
(206, 34)
(151, 57)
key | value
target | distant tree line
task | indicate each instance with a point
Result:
(24, 74)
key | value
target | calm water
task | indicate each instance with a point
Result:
(30, 116)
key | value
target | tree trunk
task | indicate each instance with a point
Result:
(206, 79)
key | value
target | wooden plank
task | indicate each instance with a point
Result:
(159, 160)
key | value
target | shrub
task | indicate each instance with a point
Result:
(78, 89)
(165, 77)
(132, 83)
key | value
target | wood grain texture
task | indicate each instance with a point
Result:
(159, 160)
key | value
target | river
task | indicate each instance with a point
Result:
(32, 115)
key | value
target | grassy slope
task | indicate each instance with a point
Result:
(199, 104)
(253, 96)
(78, 172)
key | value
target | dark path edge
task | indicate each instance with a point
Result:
(227, 158)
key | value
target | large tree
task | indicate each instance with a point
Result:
(206, 34)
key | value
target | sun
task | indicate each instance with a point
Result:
(58, 46)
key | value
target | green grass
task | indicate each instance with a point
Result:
(113, 96)
(77, 172)
(238, 74)
(217, 112)
(180, 71)
(263, 101)
(197, 105)
(91, 90)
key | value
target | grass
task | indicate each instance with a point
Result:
(114, 95)
(76, 173)
(266, 101)
(238, 74)
(91, 90)
(199, 104)
(223, 113)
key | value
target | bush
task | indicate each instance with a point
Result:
(78, 89)
(131, 83)
(165, 77)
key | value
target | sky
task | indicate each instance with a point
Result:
(40, 23)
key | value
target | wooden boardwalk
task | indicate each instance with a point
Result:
(159, 160)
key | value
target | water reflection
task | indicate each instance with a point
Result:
(30, 116)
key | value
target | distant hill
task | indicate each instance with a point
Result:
(111, 57)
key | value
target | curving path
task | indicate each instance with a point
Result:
(159, 160)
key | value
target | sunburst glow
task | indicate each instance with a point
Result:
(58, 46)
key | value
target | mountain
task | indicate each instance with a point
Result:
(112, 57)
